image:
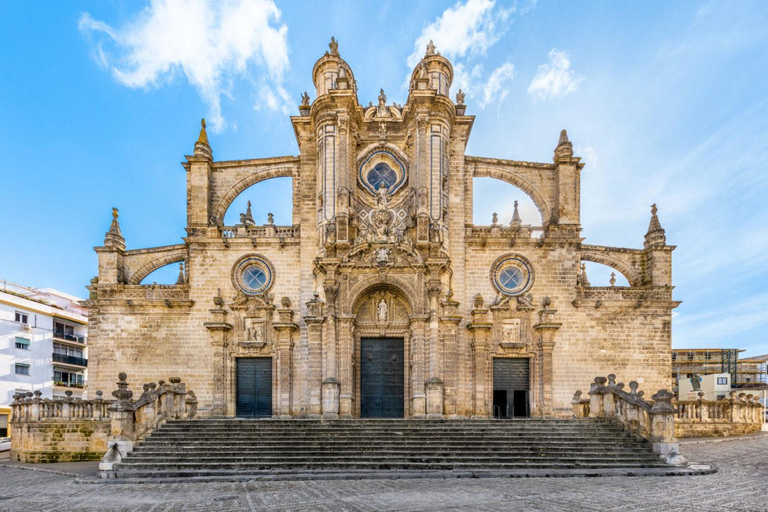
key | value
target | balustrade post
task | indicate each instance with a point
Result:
(609, 399)
(578, 411)
(663, 424)
(66, 407)
(36, 406)
(191, 403)
(596, 398)
(98, 406)
(703, 409)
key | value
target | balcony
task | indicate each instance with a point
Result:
(71, 385)
(76, 361)
(69, 337)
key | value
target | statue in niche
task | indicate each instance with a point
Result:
(382, 310)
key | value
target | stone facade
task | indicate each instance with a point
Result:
(382, 245)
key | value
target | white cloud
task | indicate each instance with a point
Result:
(210, 42)
(554, 79)
(494, 87)
(463, 33)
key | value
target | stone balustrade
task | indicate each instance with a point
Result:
(29, 407)
(264, 231)
(46, 430)
(132, 420)
(739, 414)
(653, 420)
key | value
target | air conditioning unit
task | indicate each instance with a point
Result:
(26, 327)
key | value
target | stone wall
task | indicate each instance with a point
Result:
(59, 441)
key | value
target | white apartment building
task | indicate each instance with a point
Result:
(42, 343)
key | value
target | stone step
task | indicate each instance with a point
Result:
(124, 467)
(236, 447)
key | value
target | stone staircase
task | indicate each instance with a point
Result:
(226, 448)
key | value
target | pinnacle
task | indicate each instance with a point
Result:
(563, 138)
(203, 138)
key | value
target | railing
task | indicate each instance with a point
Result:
(265, 231)
(133, 420)
(740, 413)
(69, 337)
(654, 421)
(61, 358)
(29, 407)
(74, 385)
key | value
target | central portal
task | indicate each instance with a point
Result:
(382, 378)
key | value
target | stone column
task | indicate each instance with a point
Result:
(418, 342)
(546, 329)
(346, 367)
(314, 321)
(285, 329)
(449, 326)
(218, 328)
(434, 384)
(480, 329)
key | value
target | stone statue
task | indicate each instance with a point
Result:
(382, 310)
(334, 46)
(696, 382)
(381, 110)
(430, 48)
(305, 99)
(460, 97)
(382, 196)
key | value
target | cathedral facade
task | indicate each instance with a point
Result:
(383, 298)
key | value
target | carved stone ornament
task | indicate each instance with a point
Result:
(510, 330)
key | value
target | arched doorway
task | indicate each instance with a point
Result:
(382, 338)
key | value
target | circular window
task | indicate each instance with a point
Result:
(512, 275)
(382, 173)
(381, 168)
(253, 275)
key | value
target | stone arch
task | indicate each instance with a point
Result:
(401, 289)
(632, 276)
(277, 171)
(155, 264)
(507, 176)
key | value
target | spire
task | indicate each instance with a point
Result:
(564, 149)
(202, 148)
(203, 138)
(516, 220)
(114, 237)
(181, 279)
(584, 280)
(655, 234)
(248, 214)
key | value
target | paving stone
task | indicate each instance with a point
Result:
(739, 486)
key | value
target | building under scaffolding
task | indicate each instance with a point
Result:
(708, 361)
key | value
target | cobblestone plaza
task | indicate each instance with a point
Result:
(738, 486)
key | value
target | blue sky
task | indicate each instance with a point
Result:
(666, 102)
